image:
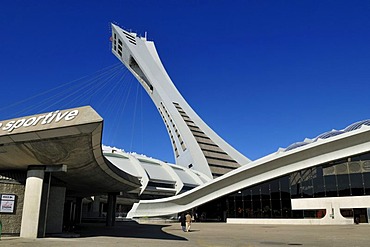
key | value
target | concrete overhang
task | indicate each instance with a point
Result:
(269, 167)
(69, 137)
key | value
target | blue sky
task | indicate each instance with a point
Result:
(262, 74)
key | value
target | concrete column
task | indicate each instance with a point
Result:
(54, 222)
(78, 218)
(32, 201)
(95, 208)
(111, 209)
(44, 206)
(68, 214)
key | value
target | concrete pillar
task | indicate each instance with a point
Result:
(32, 201)
(78, 218)
(68, 215)
(111, 209)
(95, 209)
(44, 206)
(55, 210)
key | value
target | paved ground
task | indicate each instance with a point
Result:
(204, 234)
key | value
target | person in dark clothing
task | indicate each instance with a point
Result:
(182, 221)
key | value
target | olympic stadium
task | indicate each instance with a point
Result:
(55, 170)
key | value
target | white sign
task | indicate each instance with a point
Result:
(48, 118)
(7, 206)
(8, 197)
(7, 203)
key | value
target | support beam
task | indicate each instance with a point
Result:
(78, 217)
(32, 201)
(111, 210)
(44, 206)
(96, 208)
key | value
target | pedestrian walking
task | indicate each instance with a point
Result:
(188, 221)
(182, 221)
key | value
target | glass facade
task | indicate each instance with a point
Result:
(272, 199)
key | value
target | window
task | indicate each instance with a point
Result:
(318, 182)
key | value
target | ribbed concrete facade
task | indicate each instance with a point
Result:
(195, 145)
(218, 160)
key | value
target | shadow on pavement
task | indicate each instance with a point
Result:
(126, 229)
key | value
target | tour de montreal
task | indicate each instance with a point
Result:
(48, 118)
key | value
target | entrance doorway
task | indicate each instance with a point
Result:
(360, 215)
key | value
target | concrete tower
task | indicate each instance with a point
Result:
(195, 145)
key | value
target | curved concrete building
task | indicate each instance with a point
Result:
(49, 162)
(157, 178)
(325, 180)
(328, 175)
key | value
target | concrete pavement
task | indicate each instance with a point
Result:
(203, 234)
